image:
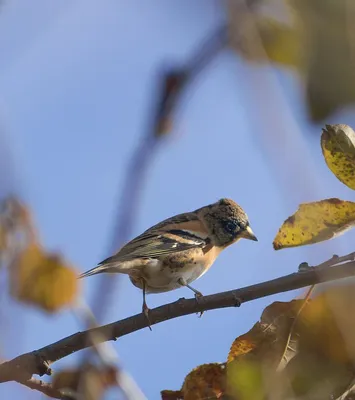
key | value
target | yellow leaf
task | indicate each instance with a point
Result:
(43, 280)
(338, 146)
(281, 42)
(205, 381)
(261, 38)
(315, 222)
(327, 324)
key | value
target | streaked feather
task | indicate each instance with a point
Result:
(153, 246)
(173, 235)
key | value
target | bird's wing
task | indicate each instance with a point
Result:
(173, 235)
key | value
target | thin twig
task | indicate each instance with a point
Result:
(293, 325)
(107, 354)
(44, 387)
(336, 260)
(39, 361)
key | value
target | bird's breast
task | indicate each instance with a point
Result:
(163, 276)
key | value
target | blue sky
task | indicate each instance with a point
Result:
(76, 85)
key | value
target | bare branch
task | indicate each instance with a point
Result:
(38, 362)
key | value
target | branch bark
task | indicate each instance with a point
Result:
(38, 362)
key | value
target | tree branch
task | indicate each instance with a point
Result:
(38, 362)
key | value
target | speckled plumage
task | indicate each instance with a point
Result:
(180, 249)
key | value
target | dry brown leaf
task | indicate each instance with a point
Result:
(205, 381)
(67, 379)
(42, 279)
(297, 351)
(316, 366)
(338, 146)
(90, 380)
(268, 337)
(315, 222)
(255, 356)
(16, 216)
(3, 239)
(171, 395)
(249, 341)
(16, 226)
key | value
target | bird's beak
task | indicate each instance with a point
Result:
(249, 234)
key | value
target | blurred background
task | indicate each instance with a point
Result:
(99, 152)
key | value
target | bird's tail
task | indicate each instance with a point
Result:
(93, 271)
(110, 264)
(100, 268)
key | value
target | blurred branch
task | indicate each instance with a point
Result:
(127, 209)
(38, 362)
(171, 85)
(168, 93)
(43, 387)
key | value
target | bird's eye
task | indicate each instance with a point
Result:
(230, 226)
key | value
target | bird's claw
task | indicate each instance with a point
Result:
(145, 311)
(238, 302)
(198, 295)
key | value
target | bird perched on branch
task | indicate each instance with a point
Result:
(178, 250)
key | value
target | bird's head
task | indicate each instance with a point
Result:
(226, 222)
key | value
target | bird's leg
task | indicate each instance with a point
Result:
(145, 309)
(198, 294)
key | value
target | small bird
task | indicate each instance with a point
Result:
(178, 250)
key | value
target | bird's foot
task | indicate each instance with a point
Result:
(238, 302)
(198, 296)
(145, 311)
